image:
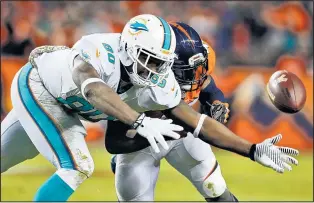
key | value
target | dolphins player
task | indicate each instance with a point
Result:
(59, 86)
(138, 166)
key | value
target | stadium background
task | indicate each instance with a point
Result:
(251, 40)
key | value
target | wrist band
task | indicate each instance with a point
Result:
(199, 125)
(138, 121)
(252, 152)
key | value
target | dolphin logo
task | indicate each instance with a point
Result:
(85, 54)
(138, 26)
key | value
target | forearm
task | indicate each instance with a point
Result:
(100, 95)
(107, 101)
(212, 132)
(218, 135)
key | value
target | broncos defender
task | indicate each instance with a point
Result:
(190, 155)
(50, 91)
(59, 85)
(138, 166)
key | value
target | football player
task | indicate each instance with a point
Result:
(138, 166)
(192, 68)
(59, 85)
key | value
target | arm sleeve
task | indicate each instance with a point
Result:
(211, 93)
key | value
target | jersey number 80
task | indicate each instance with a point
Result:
(84, 108)
(111, 57)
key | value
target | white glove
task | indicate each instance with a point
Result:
(269, 155)
(153, 130)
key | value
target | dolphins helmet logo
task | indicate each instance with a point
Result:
(85, 55)
(138, 26)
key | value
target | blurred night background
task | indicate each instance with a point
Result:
(252, 39)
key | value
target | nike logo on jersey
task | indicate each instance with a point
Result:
(138, 26)
(97, 53)
(172, 89)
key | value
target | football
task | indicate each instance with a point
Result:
(286, 91)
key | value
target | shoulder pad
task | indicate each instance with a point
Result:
(100, 50)
(167, 94)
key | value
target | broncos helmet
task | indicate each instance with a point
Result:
(191, 66)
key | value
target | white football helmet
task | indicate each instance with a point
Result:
(151, 39)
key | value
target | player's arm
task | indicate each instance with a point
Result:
(100, 95)
(211, 97)
(210, 92)
(211, 131)
(216, 134)
(103, 98)
(213, 101)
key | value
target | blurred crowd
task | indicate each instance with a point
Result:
(248, 35)
(242, 33)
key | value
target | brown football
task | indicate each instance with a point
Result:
(286, 91)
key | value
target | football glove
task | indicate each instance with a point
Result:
(218, 111)
(153, 130)
(269, 155)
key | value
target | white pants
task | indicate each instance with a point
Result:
(16, 146)
(137, 172)
(56, 134)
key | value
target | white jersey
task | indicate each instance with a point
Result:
(100, 50)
